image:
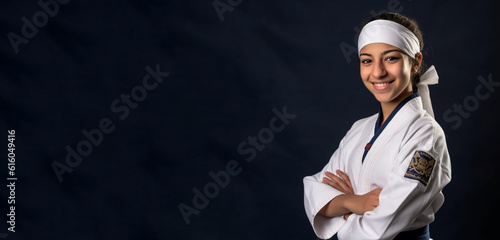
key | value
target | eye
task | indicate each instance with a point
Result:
(391, 59)
(366, 61)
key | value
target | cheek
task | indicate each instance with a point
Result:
(364, 73)
(405, 73)
(402, 72)
(406, 76)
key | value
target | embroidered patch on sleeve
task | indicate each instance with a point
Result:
(420, 168)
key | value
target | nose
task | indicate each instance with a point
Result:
(378, 70)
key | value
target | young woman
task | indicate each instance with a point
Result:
(385, 179)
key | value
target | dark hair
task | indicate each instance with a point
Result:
(412, 25)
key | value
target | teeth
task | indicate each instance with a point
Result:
(380, 84)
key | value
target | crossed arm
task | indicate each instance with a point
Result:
(347, 203)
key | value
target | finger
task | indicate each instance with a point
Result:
(376, 201)
(331, 176)
(327, 173)
(344, 177)
(331, 183)
(348, 186)
(343, 186)
(339, 180)
(334, 178)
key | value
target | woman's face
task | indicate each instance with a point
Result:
(386, 71)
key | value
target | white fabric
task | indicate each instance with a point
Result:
(390, 32)
(430, 77)
(405, 203)
(395, 34)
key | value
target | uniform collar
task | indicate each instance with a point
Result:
(378, 130)
(396, 110)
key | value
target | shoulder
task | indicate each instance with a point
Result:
(361, 126)
(426, 130)
(364, 121)
(421, 120)
(426, 144)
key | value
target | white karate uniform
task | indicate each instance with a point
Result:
(408, 199)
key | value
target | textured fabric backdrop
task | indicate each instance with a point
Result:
(199, 119)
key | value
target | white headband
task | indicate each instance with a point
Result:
(392, 33)
(395, 34)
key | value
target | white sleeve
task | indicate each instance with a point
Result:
(404, 198)
(318, 194)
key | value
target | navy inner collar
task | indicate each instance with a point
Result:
(396, 110)
(378, 130)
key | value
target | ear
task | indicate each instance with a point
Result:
(417, 63)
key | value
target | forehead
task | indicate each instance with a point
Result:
(378, 48)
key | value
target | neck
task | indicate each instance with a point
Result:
(388, 107)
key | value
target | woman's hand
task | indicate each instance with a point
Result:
(358, 204)
(341, 183)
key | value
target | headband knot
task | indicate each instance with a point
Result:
(430, 77)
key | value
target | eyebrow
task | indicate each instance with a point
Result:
(383, 53)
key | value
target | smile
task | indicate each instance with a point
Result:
(382, 86)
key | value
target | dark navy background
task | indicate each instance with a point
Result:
(226, 77)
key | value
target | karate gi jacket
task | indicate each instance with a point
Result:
(406, 157)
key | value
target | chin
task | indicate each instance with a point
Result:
(383, 98)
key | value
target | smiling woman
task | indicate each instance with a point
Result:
(385, 71)
(394, 190)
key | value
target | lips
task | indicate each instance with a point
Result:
(382, 86)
